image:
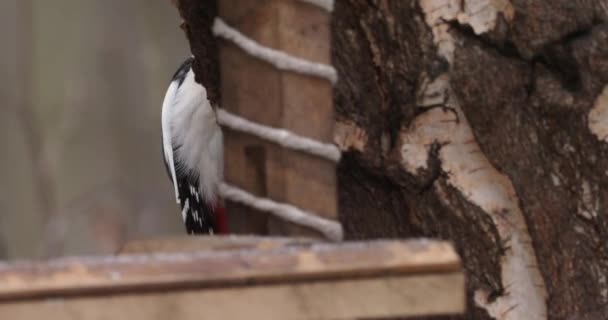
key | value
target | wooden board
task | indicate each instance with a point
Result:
(292, 279)
(234, 267)
(303, 104)
(340, 299)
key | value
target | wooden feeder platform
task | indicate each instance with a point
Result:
(232, 278)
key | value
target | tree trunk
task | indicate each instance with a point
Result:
(484, 122)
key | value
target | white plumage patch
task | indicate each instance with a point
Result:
(166, 130)
(194, 128)
(189, 126)
(185, 209)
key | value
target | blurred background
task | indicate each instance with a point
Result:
(81, 87)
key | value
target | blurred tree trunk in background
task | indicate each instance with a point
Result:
(484, 122)
(93, 74)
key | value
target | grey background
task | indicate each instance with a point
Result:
(81, 87)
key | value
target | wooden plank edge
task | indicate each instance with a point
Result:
(217, 243)
(232, 268)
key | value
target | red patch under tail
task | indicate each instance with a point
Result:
(221, 221)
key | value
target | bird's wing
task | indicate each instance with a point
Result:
(196, 212)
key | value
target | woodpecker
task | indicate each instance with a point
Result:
(192, 146)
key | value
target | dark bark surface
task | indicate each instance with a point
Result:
(525, 85)
(198, 18)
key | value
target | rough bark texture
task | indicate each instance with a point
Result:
(198, 19)
(484, 122)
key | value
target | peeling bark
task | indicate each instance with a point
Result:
(598, 116)
(483, 122)
(349, 137)
(469, 170)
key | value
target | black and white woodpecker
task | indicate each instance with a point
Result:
(192, 146)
